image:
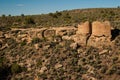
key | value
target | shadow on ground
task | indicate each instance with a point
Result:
(115, 33)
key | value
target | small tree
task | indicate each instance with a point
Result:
(9, 15)
(3, 15)
(118, 6)
(29, 20)
(22, 15)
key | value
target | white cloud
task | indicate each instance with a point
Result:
(20, 5)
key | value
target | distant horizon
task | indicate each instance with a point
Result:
(58, 11)
(36, 7)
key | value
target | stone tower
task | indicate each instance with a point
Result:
(83, 33)
(101, 34)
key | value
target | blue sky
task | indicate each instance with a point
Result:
(18, 7)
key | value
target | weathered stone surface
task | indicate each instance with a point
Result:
(103, 52)
(62, 31)
(101, 34)
(74, 45)
(46, 47)
(1, 34)
(36, 46)
(49, 34)
(66, 37)
(36, 78)
(43, 69)
(99, 41)
(83, 33)
(97, 34)
(58, 66)
(101, 28)
(84, 28)
(80, 39)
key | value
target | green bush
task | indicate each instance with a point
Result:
(29, 20)
(36, 40)
(23, 43)
(111, 70)
(103, 69)
(39, 63)
(15, 68)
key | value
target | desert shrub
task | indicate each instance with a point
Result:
(29, 20)
(74, 61)
(4, 68)
(40, 45)
(1, 64)
(43, 76)
(54, 15)
(118, 72)
(39, 63)
(15, 68)
(4, 29)
(117, 41)
(111, 70)
(67, 44)
(89, 50)
(90, 57)
(36, 40)
(54, 44)
(83, 59)
(103, 69)
(115, 59)
(11, 42)
(23, 43)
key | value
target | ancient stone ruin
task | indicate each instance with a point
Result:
(101, 34)
(83, 33)
(95, 34)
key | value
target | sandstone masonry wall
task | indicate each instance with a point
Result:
(95, 34)
(101, 28)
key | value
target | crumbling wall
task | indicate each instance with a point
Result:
(95, 34)
(83, 33)
(101, 28)
(101, 34)
(84, 28)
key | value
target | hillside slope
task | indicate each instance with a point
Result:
(63, 18)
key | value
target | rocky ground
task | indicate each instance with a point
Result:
(43, 59)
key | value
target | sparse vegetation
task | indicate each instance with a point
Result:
(36, 40)
(26, 58)
(15, 68)
(63, 18)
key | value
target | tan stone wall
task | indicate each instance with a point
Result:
(101, 28)
(97, 34)
(84, 28)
